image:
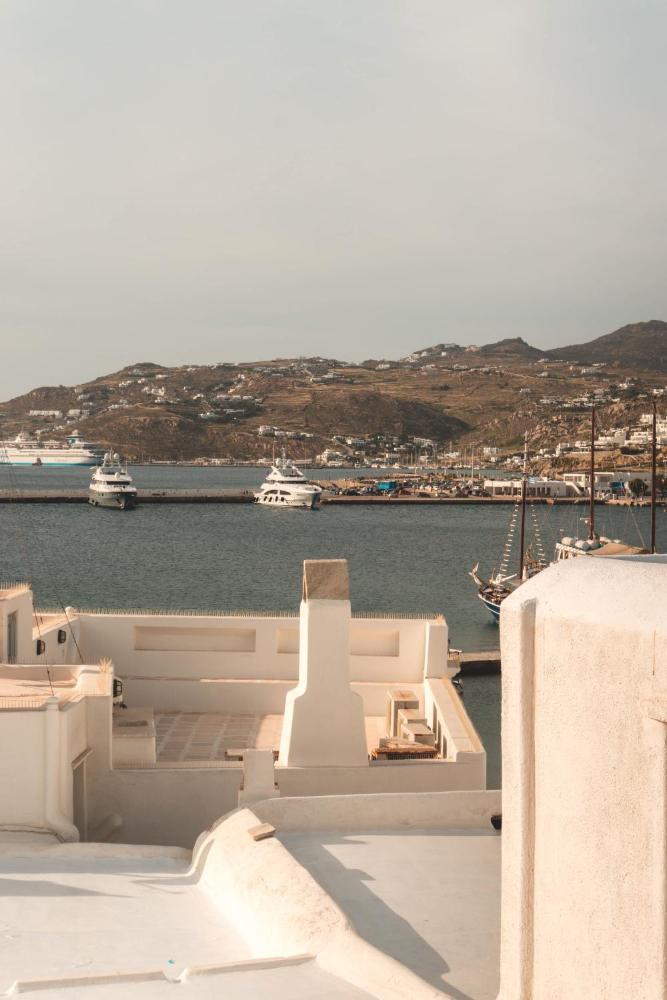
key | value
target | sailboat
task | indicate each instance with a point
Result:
(492, 592)
(600, 545)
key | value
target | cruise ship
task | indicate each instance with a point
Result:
(24, 450)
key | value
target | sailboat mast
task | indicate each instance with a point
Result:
(522, 541)
(654, 450)
(592, 474)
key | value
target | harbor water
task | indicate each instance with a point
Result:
(235, 557)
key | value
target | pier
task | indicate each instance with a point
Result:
(145, 496)
(475, 664)
(247, 496)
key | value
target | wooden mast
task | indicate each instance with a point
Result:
(654, 450)
(522, 542)
(591, 518)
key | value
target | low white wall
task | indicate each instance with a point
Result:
(185, 801)
(236, 697)
(425, 811)
(447, 717)
(56, 653)
(240, 647)
(281, 910)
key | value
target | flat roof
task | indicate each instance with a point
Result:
(29, 687)
(135, 917)
(428, 898)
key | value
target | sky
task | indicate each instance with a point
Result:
(225, 180)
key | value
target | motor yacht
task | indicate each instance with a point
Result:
(286, 486)
(111, 484)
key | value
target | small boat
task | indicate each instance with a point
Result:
(111, 485)
(286, 486)
(492, 592)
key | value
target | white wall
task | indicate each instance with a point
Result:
(22, 735)
(17, 600)
(215, 662)
(171, 806)
(55, 653)
(38, 743)
(584, 649)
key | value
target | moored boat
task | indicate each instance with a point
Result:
(286, 486)
(111, 485)
(25, 450)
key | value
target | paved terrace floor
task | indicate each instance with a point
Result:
(206, 736)
(431, 899)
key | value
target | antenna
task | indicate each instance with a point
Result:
(592, 473)
(653, 472)
(522, 537)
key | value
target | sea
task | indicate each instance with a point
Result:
(242, 556)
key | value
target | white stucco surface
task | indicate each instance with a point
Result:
(430, 899)
(93, 909)
(584, 651)
(302, 981)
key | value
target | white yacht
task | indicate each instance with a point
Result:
(111, 485)
(286, 486)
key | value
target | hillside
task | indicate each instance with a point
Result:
(452, 396)
(637, 345)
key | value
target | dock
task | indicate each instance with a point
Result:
(476, 664)
(247, 496)
(395, 501)
(144, 497)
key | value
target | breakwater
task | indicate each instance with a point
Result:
(246, 496)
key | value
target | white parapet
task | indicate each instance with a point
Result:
(436, 648)
(259, 780)
(324, 718)
(584, 653)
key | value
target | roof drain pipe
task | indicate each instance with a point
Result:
(56, 821)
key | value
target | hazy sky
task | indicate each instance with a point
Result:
(203, 180)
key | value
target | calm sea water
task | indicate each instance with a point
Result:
(403, 559)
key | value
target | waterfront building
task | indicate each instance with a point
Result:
(605, 481)
(201, 689)
(355, 896)
(535, 487)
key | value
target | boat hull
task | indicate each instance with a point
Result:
(124, 501)
(56, 463)
(491, 607)
(304, 503)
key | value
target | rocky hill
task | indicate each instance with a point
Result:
(453, 396)
(637, 345)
